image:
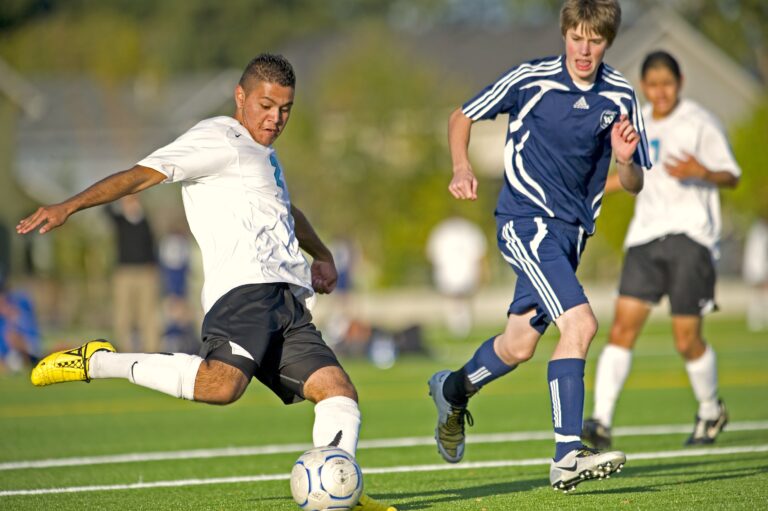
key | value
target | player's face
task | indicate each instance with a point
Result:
(584, 52)
(661, 88)
(264, 110)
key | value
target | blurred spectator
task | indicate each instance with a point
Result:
(136, 291)
(755, 272)
(5, 252)
(19, 332)
(178, 334)
(456, 248)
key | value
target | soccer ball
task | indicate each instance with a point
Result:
(326, 478)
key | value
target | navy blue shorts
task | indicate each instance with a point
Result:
(544, 253)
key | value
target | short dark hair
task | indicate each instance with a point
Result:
(660, 59)
(267, 67)
(602, 17)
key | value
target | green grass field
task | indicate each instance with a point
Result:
(112, 418)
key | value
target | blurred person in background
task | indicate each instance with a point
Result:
(174, 258)
(20, 344)
(671, 248)
(257, 281)
(755, 273)
(135, 287)
(569, 115)
(456, 248)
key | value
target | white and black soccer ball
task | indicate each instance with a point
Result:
(326, 478)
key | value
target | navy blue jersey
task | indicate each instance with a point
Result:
(559, 141)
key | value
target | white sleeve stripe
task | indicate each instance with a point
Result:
(616, 75)
(514, 72)
(503, 84)
(617, 83)
(477, 114)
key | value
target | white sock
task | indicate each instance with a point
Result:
(171, 373)
(105, 364)
(702, 373)
(334, 415)
(612, 370)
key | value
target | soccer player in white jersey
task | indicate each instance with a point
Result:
(567, 114)
(671, 246)
(256, 279)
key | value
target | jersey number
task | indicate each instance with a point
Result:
(655, 143)
(278, 171)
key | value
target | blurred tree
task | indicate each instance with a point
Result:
(750, 198)
(377, 166)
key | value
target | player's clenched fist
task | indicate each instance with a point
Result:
(463, 185)
(49, 217)
(624, 139)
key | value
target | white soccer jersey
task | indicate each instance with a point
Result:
(237, 206)
(667, 205)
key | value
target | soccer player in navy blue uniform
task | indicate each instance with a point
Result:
(569, 115)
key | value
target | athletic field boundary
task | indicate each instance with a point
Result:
(683, 453)
(382, 443)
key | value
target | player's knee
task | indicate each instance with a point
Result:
(219, 383)
(585, 329)
(329, 381)
(689, 345)
(516, 353)
(621, 335)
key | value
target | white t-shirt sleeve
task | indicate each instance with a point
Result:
(714, 149)
(198, 153)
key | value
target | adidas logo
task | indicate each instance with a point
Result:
(581, 104)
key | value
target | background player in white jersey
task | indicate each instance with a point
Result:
(256, 278)
(671, 245)
(567, 115)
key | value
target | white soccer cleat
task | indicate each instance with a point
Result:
(582, 465)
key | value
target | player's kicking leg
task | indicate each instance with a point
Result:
(177, 374)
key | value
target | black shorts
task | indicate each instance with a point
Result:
(266, 332)
(675, 266)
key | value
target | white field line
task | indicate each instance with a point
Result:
(683, 453)
(382, 443)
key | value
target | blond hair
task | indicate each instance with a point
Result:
(601, 17)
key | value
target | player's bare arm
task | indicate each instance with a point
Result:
(624, 140)
(464, 183)
(613, 183)
(108, 189)
(323, 268)
(688, 167)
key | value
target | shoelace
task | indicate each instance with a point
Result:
(455, 422)
(587, 451)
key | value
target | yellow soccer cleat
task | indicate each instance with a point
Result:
(366, 503)
(69, 365)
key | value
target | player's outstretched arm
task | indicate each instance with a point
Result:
(689, 167)
(323, 268)
(464, 183)
(108, 189)
(624, 140)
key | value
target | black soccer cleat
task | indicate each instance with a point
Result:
(596, 434)
(705, 431)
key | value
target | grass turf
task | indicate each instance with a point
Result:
(115, 417)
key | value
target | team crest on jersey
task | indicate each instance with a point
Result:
(606, 118)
